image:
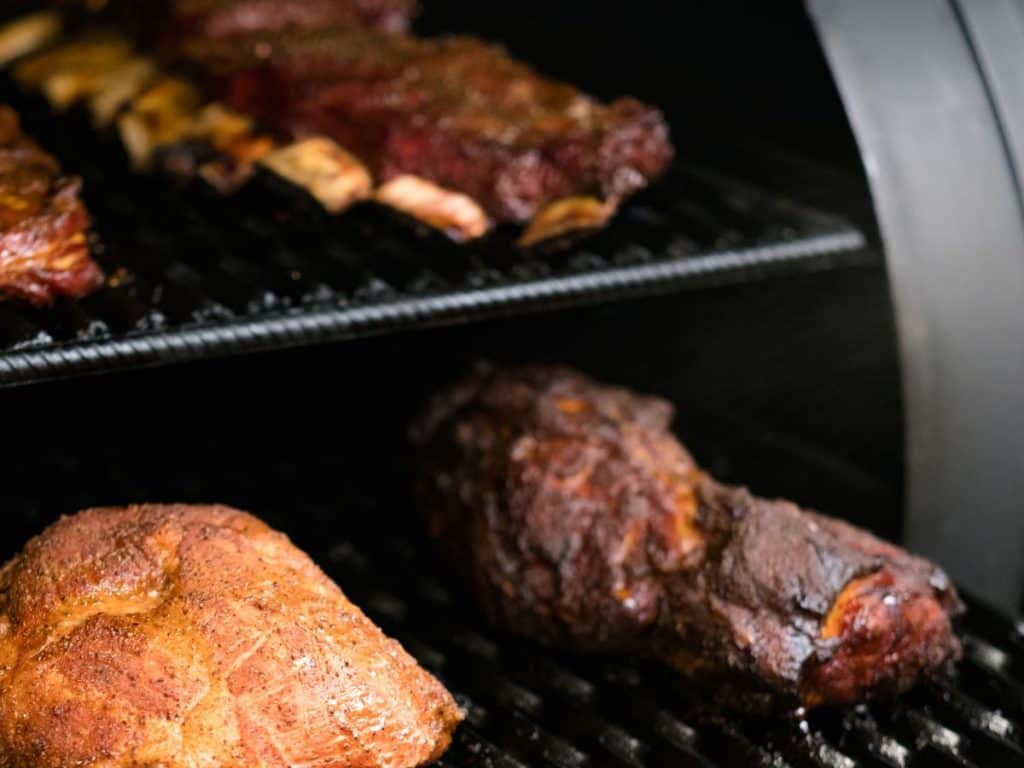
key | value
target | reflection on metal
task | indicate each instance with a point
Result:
(941, 169)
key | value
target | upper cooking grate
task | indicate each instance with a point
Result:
(195, 275)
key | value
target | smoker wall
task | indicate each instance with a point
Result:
(927, 88)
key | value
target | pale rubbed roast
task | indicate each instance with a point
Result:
(197, 636)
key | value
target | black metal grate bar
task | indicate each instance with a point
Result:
(196, 275)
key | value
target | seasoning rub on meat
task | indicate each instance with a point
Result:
(171, 635)
(583, 522)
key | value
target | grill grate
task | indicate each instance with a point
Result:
(196, 275)
(527, 705)
(530, 706)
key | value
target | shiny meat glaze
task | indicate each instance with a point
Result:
(584, 523)
(455, 111)
(44, 252)
(178, 635)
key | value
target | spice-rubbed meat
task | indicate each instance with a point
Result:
(455, 111)
(584, 523)
(44, 252)
(197, 636)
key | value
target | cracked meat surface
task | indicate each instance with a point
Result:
(198, 636)
(584, 523)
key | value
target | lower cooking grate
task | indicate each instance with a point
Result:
(194, 275)
(527, 705)
(530, 706)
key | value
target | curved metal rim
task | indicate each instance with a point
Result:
(946, 197)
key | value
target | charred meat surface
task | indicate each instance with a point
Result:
(196, 635)
(454, 111)
(584, 523)
(44, 251)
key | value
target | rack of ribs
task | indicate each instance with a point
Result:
(44, 251)
(454, 113)
(450, 130)
(584, 523)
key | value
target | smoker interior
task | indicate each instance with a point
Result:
(789, 383)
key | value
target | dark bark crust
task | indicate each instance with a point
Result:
(584, 523)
